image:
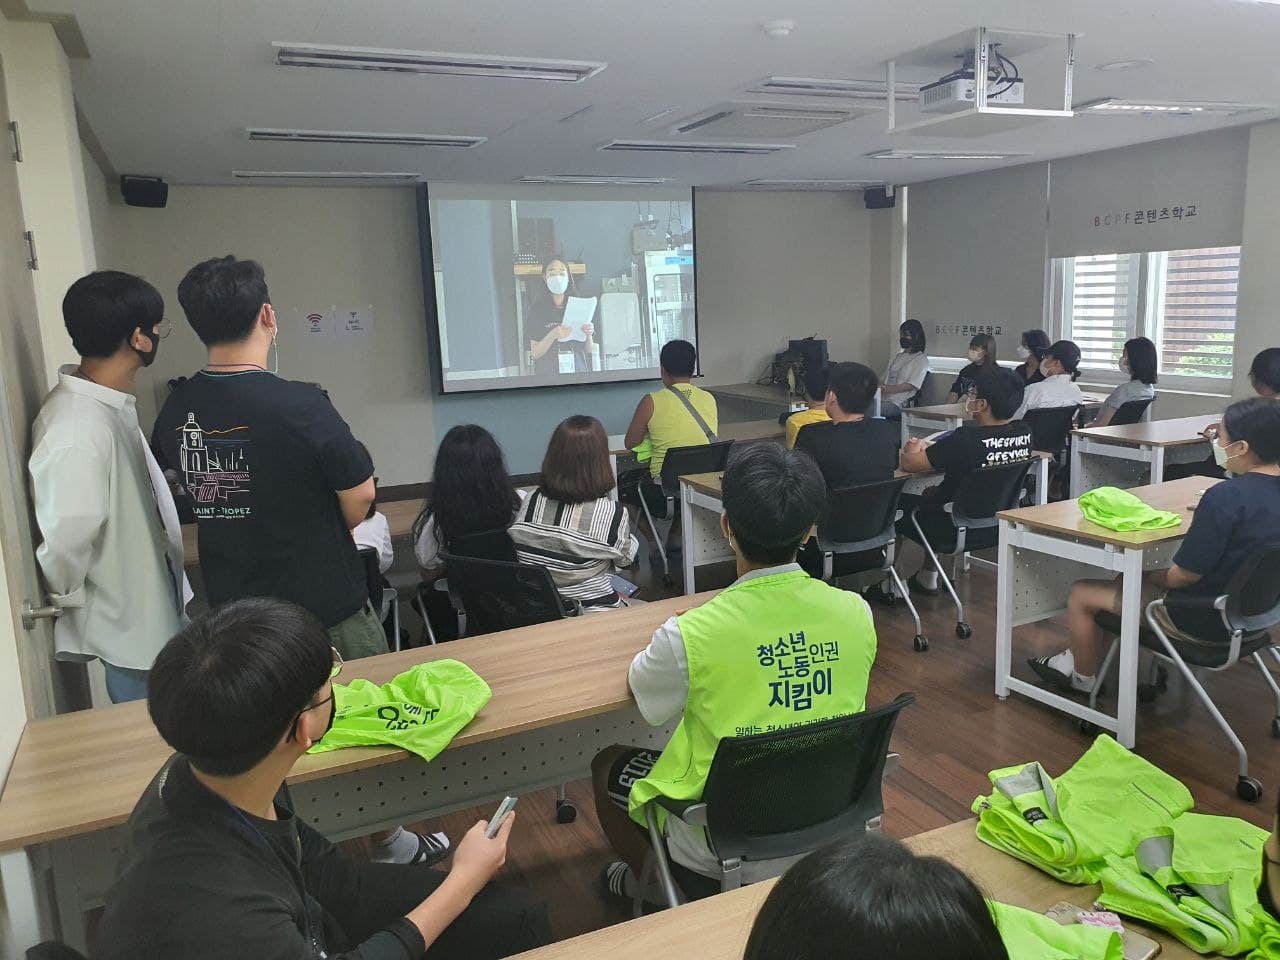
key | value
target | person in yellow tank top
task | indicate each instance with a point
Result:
(815, 393)
(775, 649)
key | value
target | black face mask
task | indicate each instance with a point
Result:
(905, 342)
(333, 713)
(149, 357)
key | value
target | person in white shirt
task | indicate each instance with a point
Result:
(905, 375)
(111, 554)
(1061, 368)
(374, 533)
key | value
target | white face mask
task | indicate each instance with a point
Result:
(1220, 456)
(971, 406)
(557, 283)
(1124, 366)
(1044, 369)
(1023, 353)
(975, 356)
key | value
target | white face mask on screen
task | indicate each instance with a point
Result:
(557, 284)
(1023, 353)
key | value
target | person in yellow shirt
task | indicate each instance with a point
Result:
(815, 395)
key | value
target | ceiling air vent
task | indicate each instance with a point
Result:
(427, 62)
(777, 184)
(600, 180)
(348, 136)
(833, 89)
(748, 121)
(714, 149)
(367, 175)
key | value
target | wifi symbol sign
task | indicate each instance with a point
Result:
(315, 322)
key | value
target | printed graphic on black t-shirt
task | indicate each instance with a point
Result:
(215, 470)
(972, 447)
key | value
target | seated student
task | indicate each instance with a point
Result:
(714, 665)
(1138, 362)
(874, 895)
(905, 375)
(569, 525)
(815, 394)
(982, 354)
(373, 532)
(217, 864)
(994, 438)
(851, 447)
(678, 415)
(1060, 366)
(1264, 377)
(1233, 520)
(1035, 344)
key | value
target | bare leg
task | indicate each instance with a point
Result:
(1088, 598)
(622, 832)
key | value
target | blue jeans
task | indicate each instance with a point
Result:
(125, 685)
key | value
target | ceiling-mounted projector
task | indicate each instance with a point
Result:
(958, 90)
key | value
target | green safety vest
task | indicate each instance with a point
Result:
(1033, 936)
(421, 710)
(1197, 878)
(764, 654)
(1268, 937)
(1105, 804)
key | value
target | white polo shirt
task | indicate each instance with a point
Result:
(1057, 391)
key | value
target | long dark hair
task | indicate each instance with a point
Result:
(471, 491)
(1038, 342)
(877, 899)
(1142, 360)
(576, 467)
(915, 330)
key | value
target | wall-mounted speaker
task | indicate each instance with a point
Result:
(879, 198)
(143, 191)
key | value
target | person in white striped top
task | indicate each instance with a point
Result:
(569, 525)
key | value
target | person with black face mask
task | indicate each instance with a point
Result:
(904, 377)
(217, 864)
(112, 550)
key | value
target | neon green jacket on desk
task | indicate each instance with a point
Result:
(421, 710)
(1118, 509)
(1033, 936)
(1105, 804)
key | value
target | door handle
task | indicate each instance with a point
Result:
(31, 614)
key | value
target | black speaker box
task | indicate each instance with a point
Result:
(143, 191)
(878, 198)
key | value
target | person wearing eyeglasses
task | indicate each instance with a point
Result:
(218, 865)
(111, 554)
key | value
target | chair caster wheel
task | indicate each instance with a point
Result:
(1275, 727)
(1249, 790)
(566, 812)
(920, 643)
(1089, 729)
(963, 630)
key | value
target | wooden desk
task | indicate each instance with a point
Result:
(717, 928)
(922, 421)
(1124, 456)
(1043, 550)
(749, 401)
(77, 776)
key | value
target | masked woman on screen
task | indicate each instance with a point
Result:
(553, 351)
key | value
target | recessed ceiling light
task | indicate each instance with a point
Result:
(813, 184)
(427, 62)
(944, 155)
(350, 136)
(586, 179)
(323, 175)
(1117, 107)
(1127, 64)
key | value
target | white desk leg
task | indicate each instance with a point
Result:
(22, 912)
(1077, 461)
(1130, 620)
(1004, 610)
(1042, 481)
(686, 536)
(1157, 463)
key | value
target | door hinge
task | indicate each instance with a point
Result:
(32, 260)
(16, 137)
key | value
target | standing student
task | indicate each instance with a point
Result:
(1035, 344)
(714, 666)
(552, 354)
(1060, 366)
(111, 554)
(1137, 361)
(570, 525)
(982, 354)
(905, 375)
(1233, 520)
(815, 394)
(217, 863)
(851, 447)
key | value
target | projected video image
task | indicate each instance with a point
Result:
(535, 292)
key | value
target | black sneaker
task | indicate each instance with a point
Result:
(877, 594)
(615, 878)
(916, 586)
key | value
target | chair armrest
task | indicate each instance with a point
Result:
(1193, 602)
(683, 809)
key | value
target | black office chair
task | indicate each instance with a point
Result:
(383, 599)
(680, 462)
(857, 534)
(483, 545)
(1051, 433)
(920, 395)
(1131, 412)
(780, 795)
(1248, 609)
(973, 524)
(53, 951)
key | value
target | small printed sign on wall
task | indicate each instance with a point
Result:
(354, 321)
(317, 323)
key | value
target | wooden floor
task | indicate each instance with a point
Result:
(955, 733)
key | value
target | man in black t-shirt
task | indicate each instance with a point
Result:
(852, 448)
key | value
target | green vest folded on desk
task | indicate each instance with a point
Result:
(421, 710)
(764, 654)
(1033, 936)
(1197, 878)
(1118, 509)
(1105, 804)
(1268, 947)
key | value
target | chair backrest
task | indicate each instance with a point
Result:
(984, 493)
(485, 545)
(498, 595)
(1131, 412)
(1253, 593)
(859, 515)
(786, 793)
(372, 575)
(53, 951)
(1050, 427)
(702, 458)
(920, 397)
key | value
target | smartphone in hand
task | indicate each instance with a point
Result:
(495, 823)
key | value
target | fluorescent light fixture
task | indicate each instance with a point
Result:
(1116, 107)
(427, 62)
(348, 136)
(715, 149)
(945, 155)
(603, 180)
(812, 184)
(323, 175)
(838, 89)
(1126, 64)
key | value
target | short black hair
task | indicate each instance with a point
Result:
(772, 496)
(1256, 420)
(1037, 341)
(854, 385)
(222, 298)
(1066, 353)
(1265, 369)
(816, 380)
(1143, 362)
(873, 892)
(226, 688)
(915, 330)
(679, 358)
(1001, 388)
(102, 309)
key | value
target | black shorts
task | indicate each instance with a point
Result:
(635, 764)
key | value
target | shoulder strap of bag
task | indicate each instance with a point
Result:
(697, 417)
